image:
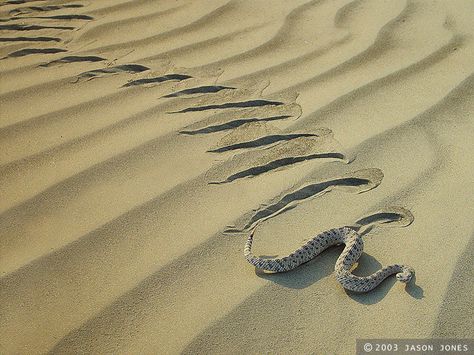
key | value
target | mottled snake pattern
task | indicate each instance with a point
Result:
(349, 256)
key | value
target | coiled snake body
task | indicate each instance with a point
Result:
(349, 256)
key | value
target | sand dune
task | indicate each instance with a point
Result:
(142, 140)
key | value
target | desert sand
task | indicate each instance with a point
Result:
(142, 140)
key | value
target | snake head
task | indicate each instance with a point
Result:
(406, 275)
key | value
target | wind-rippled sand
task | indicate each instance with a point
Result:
(140, 142)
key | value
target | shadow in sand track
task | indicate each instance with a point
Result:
(126, 68)
(158, 79)
(200, 90)
(30, 9)
(393, 216)
(30, 51)
(241, 104)
(261, 142)
(30, 39)
(18, 27)
(74, 59)
(17, 2)
(63, 17)
(290, 200)
(233, 124)
(258, 170)
(382, 217)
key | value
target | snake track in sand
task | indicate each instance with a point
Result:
(349, 256)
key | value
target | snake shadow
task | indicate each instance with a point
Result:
(368, 265)
(323, 266)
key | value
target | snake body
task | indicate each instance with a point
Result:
(349, 256)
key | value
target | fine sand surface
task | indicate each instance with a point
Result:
(142, 140)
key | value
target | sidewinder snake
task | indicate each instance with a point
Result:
(349, 256)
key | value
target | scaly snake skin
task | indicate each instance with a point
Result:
(348, 257)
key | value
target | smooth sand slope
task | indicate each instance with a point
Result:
(141, 141)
